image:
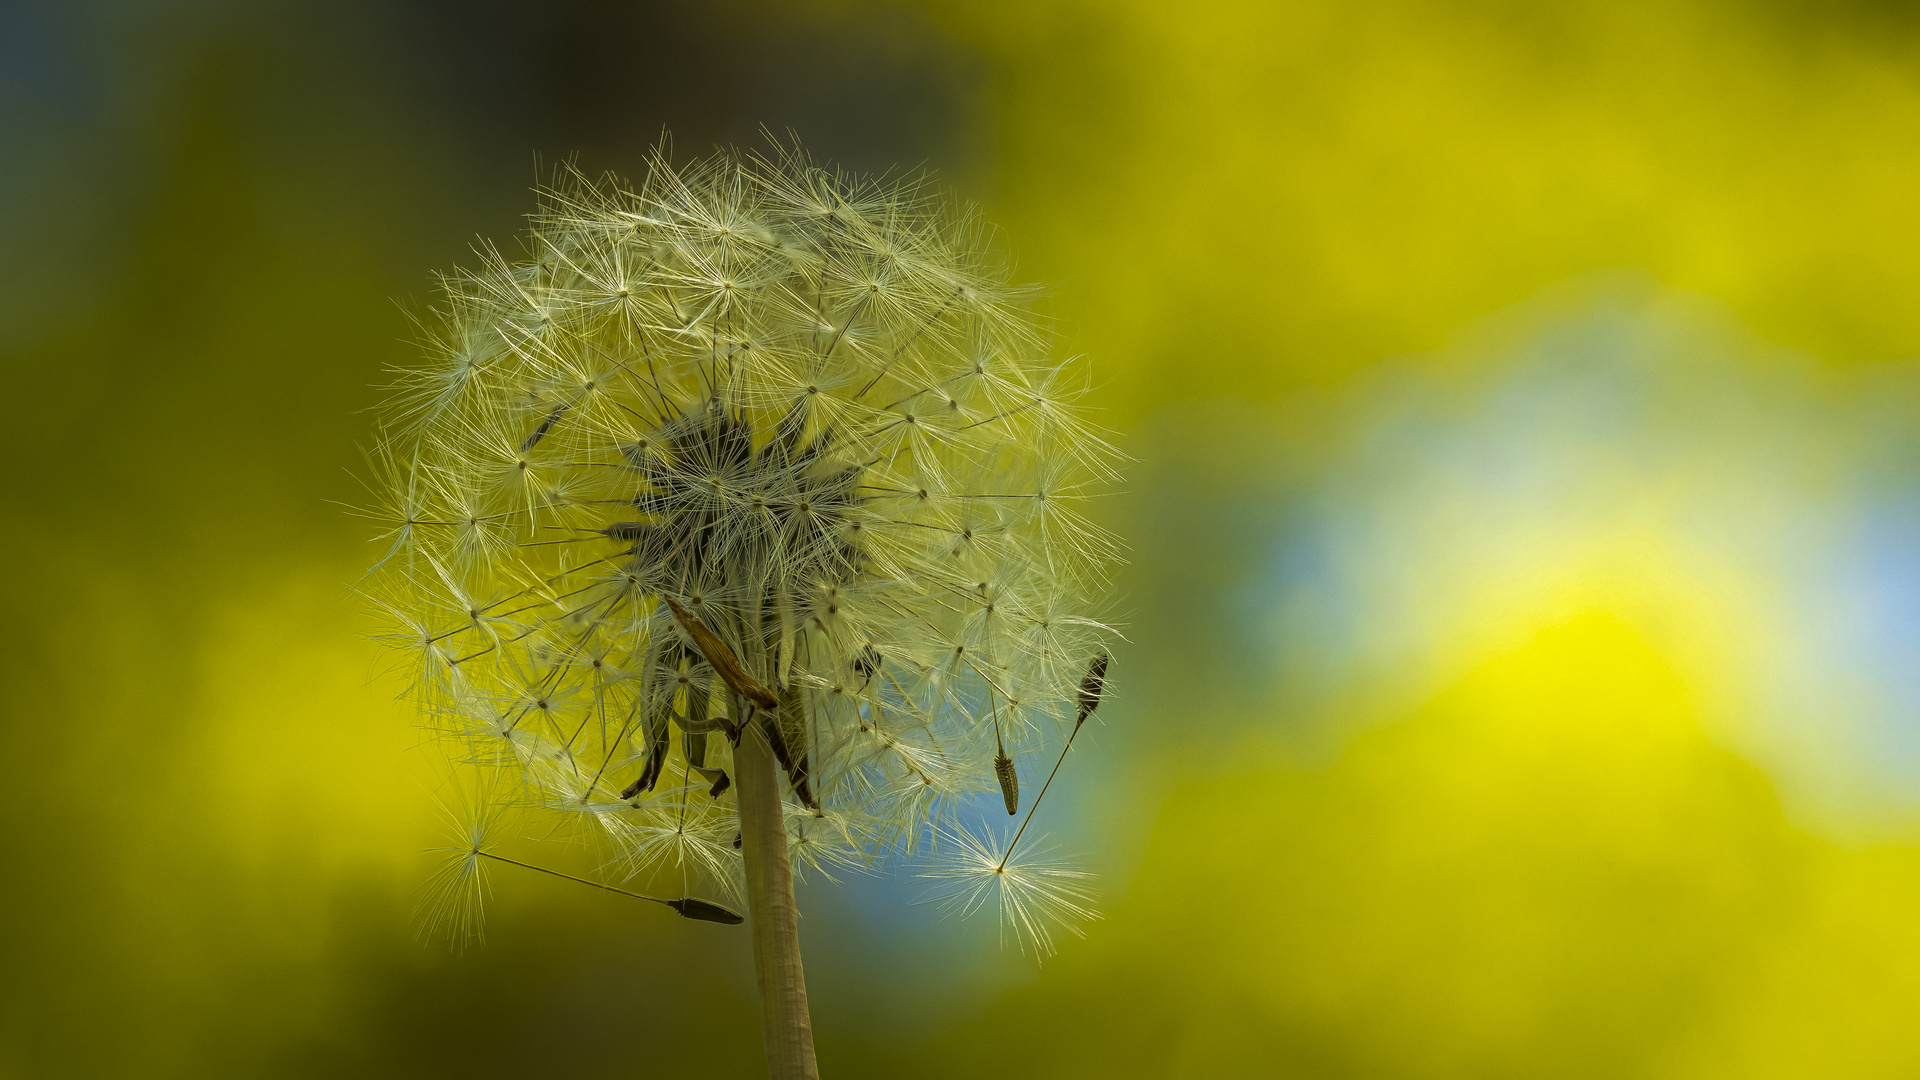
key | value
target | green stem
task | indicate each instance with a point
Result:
(785, 1027)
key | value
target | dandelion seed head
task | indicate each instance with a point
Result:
(810, 408)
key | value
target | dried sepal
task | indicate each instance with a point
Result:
(694, 723)
(721, 656)
(718, 778)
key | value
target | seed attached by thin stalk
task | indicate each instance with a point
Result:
(1003, 771)
(1091, 688)
(792, 723)
(687, 906)
(866, 663)
(545, 426)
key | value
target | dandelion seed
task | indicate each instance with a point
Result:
(687, 906)
(453, 904)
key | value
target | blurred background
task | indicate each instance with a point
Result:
(1524, 597)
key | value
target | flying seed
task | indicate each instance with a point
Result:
(1009, 782)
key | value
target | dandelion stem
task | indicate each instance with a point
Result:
(785, 1027)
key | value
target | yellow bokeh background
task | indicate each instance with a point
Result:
(1525, 524)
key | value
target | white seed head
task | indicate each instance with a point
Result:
(809, 408)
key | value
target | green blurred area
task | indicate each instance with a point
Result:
(1547, 871)
(1544, 859)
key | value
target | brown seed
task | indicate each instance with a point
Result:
(690, 908)
(1009, 782)
(1091, 688)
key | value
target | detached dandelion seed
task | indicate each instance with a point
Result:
(763, 450)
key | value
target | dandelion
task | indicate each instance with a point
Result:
(745, 521)
(456, 894)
